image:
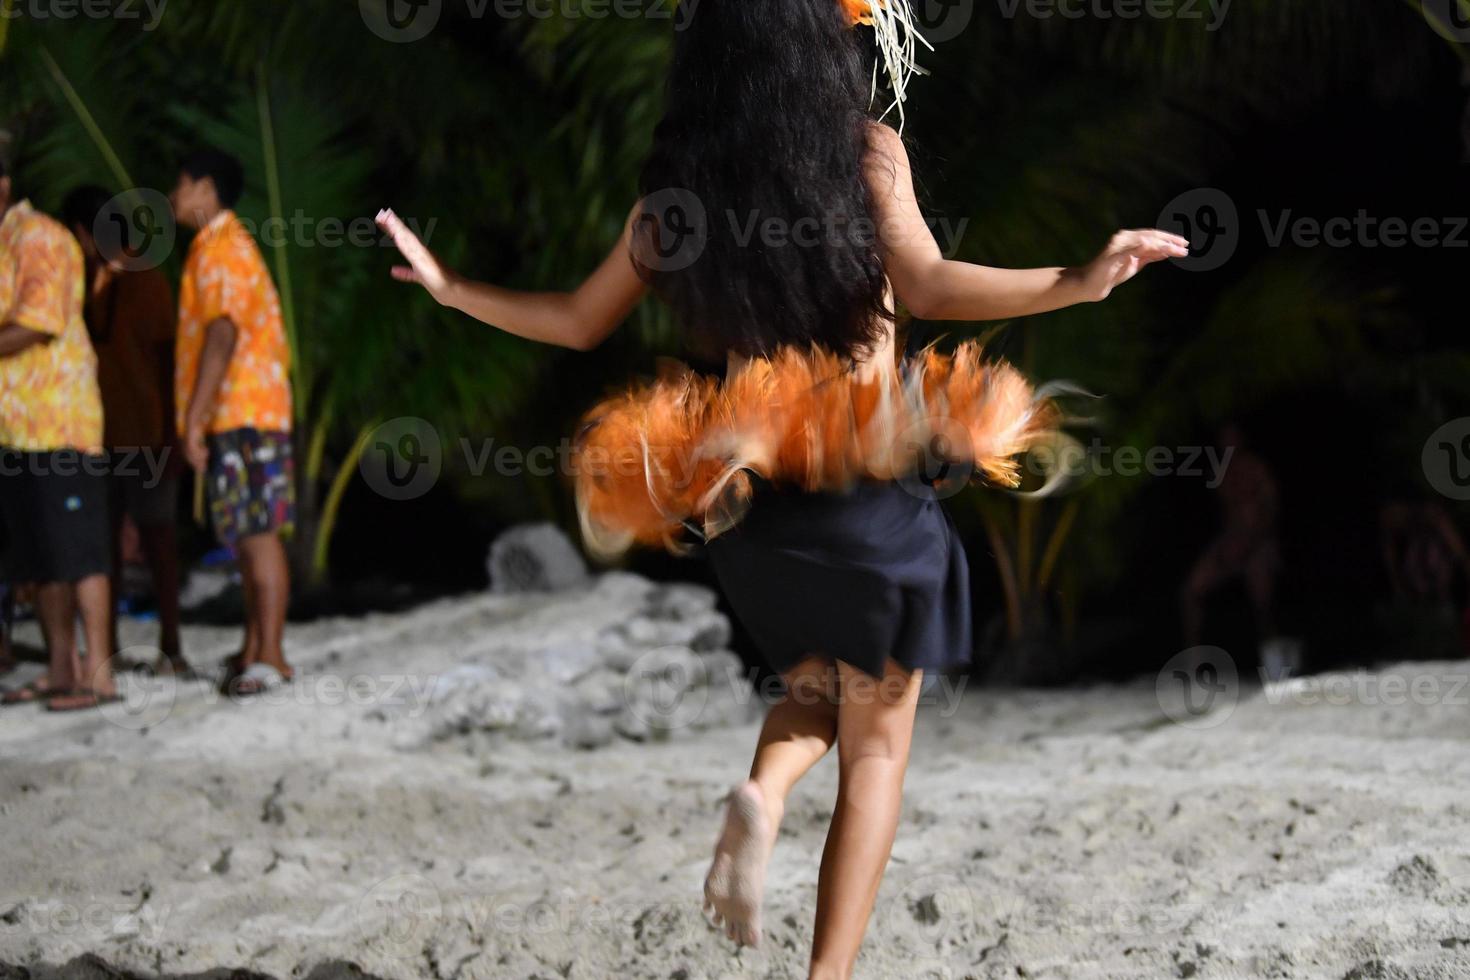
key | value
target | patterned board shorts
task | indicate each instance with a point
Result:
(252, 484)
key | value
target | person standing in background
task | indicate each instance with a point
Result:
(1248, 546)
(130, 316)
(233, 396)
(53, 495)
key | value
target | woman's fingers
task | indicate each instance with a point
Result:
(1161, 236)
(407, 242)
(1164, 244)
(423, 269)
(1154, 248)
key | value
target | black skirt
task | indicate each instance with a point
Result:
(860, 576)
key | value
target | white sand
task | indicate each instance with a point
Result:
(1069, 834)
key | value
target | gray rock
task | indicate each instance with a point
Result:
(466, 707)
(673, 669)
(711, 632)
(631, 590)
(588, 731)
(499, 708)
(681, 600)
(617, 652)
(726, 706)
(600, 691)
(538, 716)
(461, 677)
(708, 631)
(631, 724)
(535, 558)
(564, 662)
(722, 668)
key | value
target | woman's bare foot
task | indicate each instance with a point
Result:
(736, 882)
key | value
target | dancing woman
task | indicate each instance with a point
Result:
(850, 578)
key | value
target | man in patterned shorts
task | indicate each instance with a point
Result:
(233, 394)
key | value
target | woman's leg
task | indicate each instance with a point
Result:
(799, 730)
(875, 724)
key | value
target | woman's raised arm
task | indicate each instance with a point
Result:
(580, 319)
(936, 288)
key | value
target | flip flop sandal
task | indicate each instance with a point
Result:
(231, 674)
(31, 693)
(83, 700)
(258, 679)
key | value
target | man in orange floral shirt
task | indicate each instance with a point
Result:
(233, 397)
(53, 495)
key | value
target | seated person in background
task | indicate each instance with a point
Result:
(1422, 551)
(1423, 554)
(130, 316)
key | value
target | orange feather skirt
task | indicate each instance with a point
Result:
(673, 456)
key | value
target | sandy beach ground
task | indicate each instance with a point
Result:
(444, 828)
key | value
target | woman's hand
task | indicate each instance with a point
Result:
(423, 266)
(1126, 254)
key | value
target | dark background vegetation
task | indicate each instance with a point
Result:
(522, 138)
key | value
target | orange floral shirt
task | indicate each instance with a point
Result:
(225, 276)
(49, 399)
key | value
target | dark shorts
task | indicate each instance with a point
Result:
(54, 505)
(252, 484)
(863, 576)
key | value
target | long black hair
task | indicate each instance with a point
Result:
(757, 225)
